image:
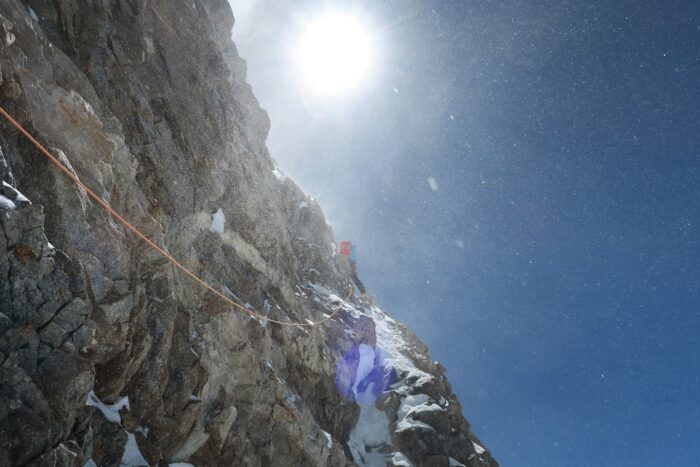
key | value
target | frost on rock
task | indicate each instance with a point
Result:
(132, 456)
(111, 412)
(218, 222)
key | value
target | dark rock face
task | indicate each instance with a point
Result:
(146, 102)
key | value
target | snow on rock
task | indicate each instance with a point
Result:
(370, 434)
(218, 221)
(132, 456)
(7, 203)
(180, 464)
(303, 205)
(329, 439)
(455, 463)
(90, 463)
(400, 460)
(281, 176)
(111, 412)
(479, 450)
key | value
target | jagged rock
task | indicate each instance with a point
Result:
(147, 103)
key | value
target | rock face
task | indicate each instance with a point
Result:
(146, 102)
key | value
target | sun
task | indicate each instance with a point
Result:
(334, 54)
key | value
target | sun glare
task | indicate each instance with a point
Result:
(334, 54)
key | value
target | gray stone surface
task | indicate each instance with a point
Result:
(146, 101)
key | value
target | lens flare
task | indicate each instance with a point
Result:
(361, 375)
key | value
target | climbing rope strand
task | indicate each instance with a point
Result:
(74, 178)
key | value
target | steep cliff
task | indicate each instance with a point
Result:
(110, 355)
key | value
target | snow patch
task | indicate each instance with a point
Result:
(281, 176)
(111, 412)
(180, 464)
(455, 463)
(132, 457)
(90, 463)
(409, 424)
(6, 203)
(409, 403)
(370, 433)
(303, 205)
(329, 439)
(479, 450)
(218, 222)
(399, 459)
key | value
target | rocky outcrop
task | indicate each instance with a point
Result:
(147, 103)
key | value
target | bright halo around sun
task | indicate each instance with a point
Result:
(335, 54)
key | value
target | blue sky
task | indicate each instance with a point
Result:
(554, 271)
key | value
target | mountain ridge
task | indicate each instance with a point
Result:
(147, 103)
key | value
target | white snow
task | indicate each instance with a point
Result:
(143, 430)
(479, 450)
(6, 203)
(218, 221)
(281, 176)
(433, 183)
(111, 412)
(193, 398)
(455, 463)
(371, 431)
(303, 204)
(19, 197)
(410, 403)
(409, 423)
(90, 463)
(180, 464)
(132, 457)
(329, 439)
(399, 459)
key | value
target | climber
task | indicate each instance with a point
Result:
(348, 251)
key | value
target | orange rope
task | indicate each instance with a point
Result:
(150, 243)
